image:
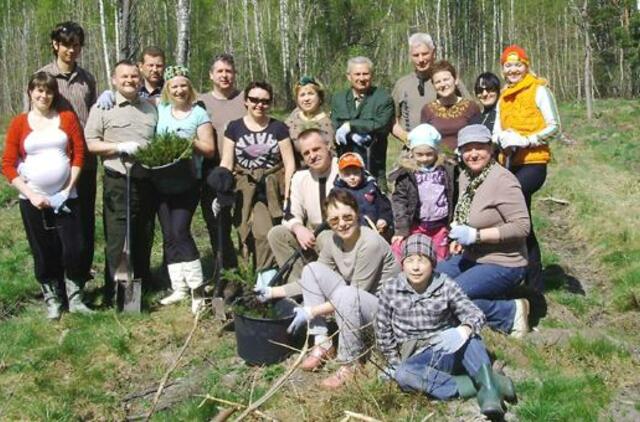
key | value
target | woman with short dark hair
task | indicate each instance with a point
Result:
(44, 152)
(487, 90)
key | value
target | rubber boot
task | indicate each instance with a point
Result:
(467, 389)
(52, 300)
(488, 395)
(74, 295)
(180, 289)
(195, 281)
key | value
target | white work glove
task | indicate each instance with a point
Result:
(463, 234)
(215, 207)
(511, 139)
(301, 315)
(106, 100)
(342, 132)
(57, 201)
(451, 340)
(128, 148)
(361, 140)
(263, 293)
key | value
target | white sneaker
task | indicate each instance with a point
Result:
(521, 319)
(175, 297)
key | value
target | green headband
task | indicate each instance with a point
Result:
(172, 71)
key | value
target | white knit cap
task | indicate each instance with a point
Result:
(424, 134)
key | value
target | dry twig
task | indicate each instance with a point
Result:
(235, 406)
(359, 416)
(554, 200)
(173, 366)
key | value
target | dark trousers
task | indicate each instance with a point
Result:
(175, 213)
(56, 241)
(531, 178)
(229, 256)
(86, 188)
(143, 209)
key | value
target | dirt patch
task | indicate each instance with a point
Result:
(625, 406)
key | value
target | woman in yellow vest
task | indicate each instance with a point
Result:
(527, 119)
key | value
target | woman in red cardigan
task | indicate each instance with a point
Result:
(44, 152)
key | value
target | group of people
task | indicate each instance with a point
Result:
(425, 260)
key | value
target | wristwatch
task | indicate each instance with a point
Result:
(478, 236)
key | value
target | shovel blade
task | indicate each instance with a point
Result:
(218, 309)
(129, 296)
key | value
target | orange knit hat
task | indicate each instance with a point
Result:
(514, 53)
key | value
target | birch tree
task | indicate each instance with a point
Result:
(183, 19)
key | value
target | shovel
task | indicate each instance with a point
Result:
(128, 289)
(218, 300)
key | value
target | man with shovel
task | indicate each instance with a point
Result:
(115, 135)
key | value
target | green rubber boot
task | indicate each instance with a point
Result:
(466, 389)
(489, 397)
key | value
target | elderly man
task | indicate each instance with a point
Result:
(416, 89)
(223, 103)
(309, 188)
(115, 135)
(362, 117)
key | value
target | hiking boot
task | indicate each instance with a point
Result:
(52, 300)
(74, 295)
(317, 357)
(343, 375)
(178, 285)
(521, 319)
(489, 397)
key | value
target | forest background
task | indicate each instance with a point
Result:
(581, 46)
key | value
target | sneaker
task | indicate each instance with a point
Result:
(521, 319)
(175, 297)
(317, 357)
(343, 375)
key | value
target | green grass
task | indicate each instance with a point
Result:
(81, 367)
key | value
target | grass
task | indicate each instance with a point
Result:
(83, 367)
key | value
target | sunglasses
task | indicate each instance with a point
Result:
(263, 101)
(483, 89)
(306, 80)
(347, 218)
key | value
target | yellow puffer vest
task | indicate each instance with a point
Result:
(519, 112)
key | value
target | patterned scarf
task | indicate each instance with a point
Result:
(461, 213)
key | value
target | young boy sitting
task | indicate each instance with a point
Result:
(428, 329)
(372, 203)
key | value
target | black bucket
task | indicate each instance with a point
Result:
(255, 336)
(174, 178)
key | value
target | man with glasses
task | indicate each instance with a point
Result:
(223, 103)
(413, 91)
(362, 117)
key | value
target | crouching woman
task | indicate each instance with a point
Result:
(427, 328)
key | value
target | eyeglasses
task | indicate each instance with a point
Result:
(347, 218)
(263, 101)
(306, 80)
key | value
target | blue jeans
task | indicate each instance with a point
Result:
(487, 285)
(431, 371)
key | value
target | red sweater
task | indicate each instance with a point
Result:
(19, 129)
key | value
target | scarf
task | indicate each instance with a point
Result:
(461, 213)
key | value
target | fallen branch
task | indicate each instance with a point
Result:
(359, 416)
(279, 383)
(143, 393)
(173, 366)
(235, 406)
(554, 200)
(224, 414)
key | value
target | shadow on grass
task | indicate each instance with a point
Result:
(556, 278)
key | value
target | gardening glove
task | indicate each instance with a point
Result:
(263, 293)
(463, 234)
(127, 148)
(301, 315)
(57, 202)
(451, 340)
(511, 139)
(387, 374)
(106, 100)
(362, 140)
(216, 207)
(342, 132)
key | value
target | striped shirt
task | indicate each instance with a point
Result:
(405, 315)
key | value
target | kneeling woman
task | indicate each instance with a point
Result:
(416, 332)
(489, 231)
(178, 114)
(344, 281)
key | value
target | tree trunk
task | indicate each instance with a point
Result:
(183, 19)
(247, 42)
(103, 34)
(128, 30)
(588, 87)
